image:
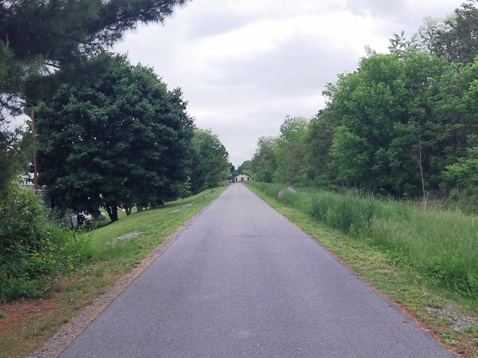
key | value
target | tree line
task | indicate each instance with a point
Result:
(107, 132)
(404, 124)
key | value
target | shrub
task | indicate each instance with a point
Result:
(34, 248)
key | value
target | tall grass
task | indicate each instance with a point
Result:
(441, 244)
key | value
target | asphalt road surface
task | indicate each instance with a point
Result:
(242, 281)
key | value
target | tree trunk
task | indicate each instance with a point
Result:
(112, 212)
(420, 163)
(141, 207)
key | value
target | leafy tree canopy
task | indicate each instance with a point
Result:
(210, 164)
(264, 161)
(289, 150)
(49, 42)
(456, 37)
(124, 139)
(317, 143)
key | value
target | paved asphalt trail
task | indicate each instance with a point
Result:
(242, 281)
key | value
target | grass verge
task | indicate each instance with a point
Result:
(116, 249)
(449, 316)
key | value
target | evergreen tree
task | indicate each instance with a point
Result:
(46, 43)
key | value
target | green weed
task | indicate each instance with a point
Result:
(450, 337)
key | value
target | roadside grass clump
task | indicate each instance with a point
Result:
(464, 200)
(441, 244)
(270, 189)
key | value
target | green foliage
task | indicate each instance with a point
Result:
(210, 164)
(463, 200)
(402, 125)
(123, 139)
(289, 151)
(44, 36)
(464, 172)
(455, 37)
(264, 161)
(399, 43)
(12, 154)
(44, 44)
(441, 244)
(385, 131)
(34, 247)
(10, 83)
(317, 144)
(351, 156)
(10, 148)
(282, 159)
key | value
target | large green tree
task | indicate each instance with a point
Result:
(289, 151)
(456, 37)
(460, 104)
(363, 108)
(210, 164)
(14, 153)
(317, 143)
(124, 139)
(388, 109)
(264, 161)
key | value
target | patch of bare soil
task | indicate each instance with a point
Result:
(17, 312)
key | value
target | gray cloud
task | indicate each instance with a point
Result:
(245, 65)
(378, 8)
(299, 66)
(214, 21)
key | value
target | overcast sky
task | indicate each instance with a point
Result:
(244, 65)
